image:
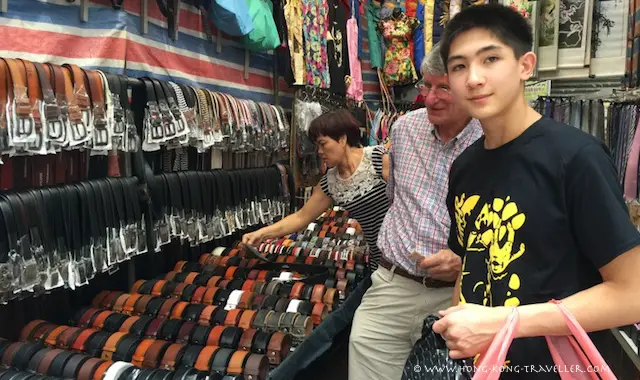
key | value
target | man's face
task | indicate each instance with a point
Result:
(484, 74)
(441, 108)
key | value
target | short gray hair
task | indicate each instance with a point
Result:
(432, 62)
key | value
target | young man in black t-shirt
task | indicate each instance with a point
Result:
(537, 211)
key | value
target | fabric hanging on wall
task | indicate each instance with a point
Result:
(337, 47)
(283, 55)
(264, 35)
(628, 80)
(293, 15)
(397, 32)
(412, 6)
(438, 27)
(355, 88)
(232, 16)
(418, 36)
(636, 44)
(429, 14)
(375, 42)
(315, 27)
(355, 10)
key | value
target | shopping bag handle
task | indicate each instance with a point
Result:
(491, 362)
(577, 349)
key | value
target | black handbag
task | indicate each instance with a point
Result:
(429, 359)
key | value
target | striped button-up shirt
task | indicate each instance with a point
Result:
(417, 220)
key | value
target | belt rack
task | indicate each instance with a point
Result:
(225, 314)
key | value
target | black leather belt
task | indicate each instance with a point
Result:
(96, 342)
(24, 355)
(113, 322)
(200, 335)
(153, 307)
(261, 342)
(221, 360)
(181, 276)
(170, 329)
(190, 356)
(57, 367)
(188, 291)
(73, 366)
(230, 337)
(193, 311)
(140, 326)
(126, 348)
(219, 316)
(35, 359)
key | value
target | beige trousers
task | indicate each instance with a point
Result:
(388, 322)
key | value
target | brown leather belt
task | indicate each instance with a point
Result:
(426, 281)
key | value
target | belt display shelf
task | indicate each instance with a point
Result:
(60, 117)
(64, 116)
(233, 314)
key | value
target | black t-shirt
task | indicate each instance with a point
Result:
(534, 220)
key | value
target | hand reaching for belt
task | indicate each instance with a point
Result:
(444, 265)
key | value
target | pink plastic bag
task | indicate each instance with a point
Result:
(575, 355)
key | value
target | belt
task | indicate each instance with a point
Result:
(426, 281)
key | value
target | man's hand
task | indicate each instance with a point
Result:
(444, 265)
(470, 329)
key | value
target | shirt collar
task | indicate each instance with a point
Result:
(468, 129)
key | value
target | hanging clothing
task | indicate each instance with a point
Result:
(356, 87)
(438, 27)
(355, 9)
(337, 49)
(398, 66)
(412, 6)
(293, 17)
(375, 41)
(628, 76)
(418, 36)
(283, 55)
(315, 27)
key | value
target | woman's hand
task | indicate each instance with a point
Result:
(253, 238)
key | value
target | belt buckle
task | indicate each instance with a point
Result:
(25, 121)
(83, 102)
(78, 127)
(155, 122)
(101, 133)
(167, 119)
(53, 115)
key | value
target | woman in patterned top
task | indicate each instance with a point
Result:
(356, 181)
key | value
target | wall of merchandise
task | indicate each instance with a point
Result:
(579, 38)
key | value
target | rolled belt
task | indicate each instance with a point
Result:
(426, 281)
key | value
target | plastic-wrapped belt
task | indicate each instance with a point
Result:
(23, 112)
(6, 95)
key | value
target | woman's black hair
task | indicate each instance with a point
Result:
(336, 124)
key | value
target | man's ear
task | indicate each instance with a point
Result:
(528, 63)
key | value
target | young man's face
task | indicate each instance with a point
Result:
(484, 74)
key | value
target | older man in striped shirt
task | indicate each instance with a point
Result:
(417, 272)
